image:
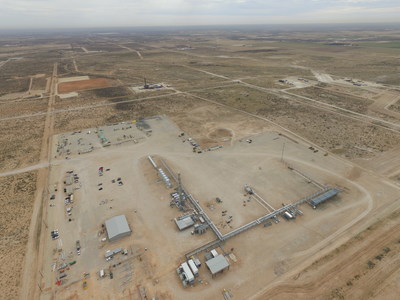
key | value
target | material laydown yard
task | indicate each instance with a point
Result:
(262, 104)
(73, 86)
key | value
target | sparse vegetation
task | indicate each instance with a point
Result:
(241, 72)
(16, 200)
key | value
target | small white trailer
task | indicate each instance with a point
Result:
(193, 267)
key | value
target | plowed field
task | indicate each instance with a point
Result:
(67, 87)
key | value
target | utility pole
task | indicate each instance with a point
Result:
(283, 149)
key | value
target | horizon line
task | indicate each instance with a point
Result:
(199, 26)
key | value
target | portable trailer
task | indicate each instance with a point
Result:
(193, 267)
(189, 278)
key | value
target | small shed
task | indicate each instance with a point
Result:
(217, 264)
(117, 227)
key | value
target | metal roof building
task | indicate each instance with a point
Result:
(111, 253)
(323, 197)
(184, 223)
(217, 264)
(117, 227)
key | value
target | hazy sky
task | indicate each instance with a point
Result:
(104, 13)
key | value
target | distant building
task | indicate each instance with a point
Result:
(117, 227)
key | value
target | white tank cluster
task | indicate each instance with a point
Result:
(165, 178)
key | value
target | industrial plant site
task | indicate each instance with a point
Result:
(200, 165)
(142, 203)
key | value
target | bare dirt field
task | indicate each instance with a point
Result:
(67, 87)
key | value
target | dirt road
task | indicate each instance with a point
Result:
(4, 62)
(75, 65)
(26, 169)
(132, 50)
(33, 260)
